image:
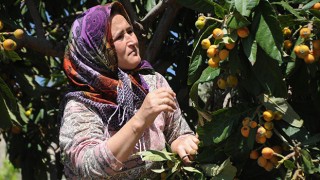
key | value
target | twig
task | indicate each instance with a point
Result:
(36, 18)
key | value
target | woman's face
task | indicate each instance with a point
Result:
(125, 42)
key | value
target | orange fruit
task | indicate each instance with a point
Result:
(213, 62)
(245, 131)
(268, 166)
(287, 44)
(243, 32)
(254, 154)
(269, 134)
(316, 43)
(274, 160)
(205, 44)
(212, 51)
(253, 124)
(267, 152)
(277, 115)
(222, 84)
(262, 161)
(232, 81)
(286, 31)
(268, 125)
(268, 115)
(223, 54)
(229, 45)
(309, 59)
(9, 45)
(18, 33)
(217, 33)
(246, 121)
(305, 32)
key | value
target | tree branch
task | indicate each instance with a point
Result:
(36, 18)
(162, 31)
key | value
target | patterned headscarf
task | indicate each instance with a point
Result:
(90, 64)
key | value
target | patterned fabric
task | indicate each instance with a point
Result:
(90, 64)
(83, 137)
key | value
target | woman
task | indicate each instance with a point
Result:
(117, 105)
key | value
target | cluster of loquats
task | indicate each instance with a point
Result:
(308, 50)
(9, 44)
(267, 158)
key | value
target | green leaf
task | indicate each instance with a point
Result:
(250, 48)
(8, 96)
(223, 171)
(307, 165)
(158, 170)
(245, 7)
(154, 155)
(312, 140)
(268, 32)
(309, 5)
(209, 74)
(287, 6)
(191, 169)
(281, 105)
(5, 120)
(268, 73)
(198, 57)
(289, 164)
(237, 21)
(12, 55)
(150, 4)
(204, 6)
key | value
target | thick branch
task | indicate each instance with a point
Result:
(36, 18)
(43, 46)
(155, 11)
(161, 31)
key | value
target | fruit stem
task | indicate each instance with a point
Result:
(211, 18)
(6, 33)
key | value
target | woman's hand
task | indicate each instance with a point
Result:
(162, 99)
(186, 147)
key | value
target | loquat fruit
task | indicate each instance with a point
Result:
(262, 161)
(232, 81)
(245, 130)
(1, 25)
(261, 139)
(217, 33)
(202, 18)
(277, 115)
(305, 32)
(229, 45)
(212, 51)
(205, 44)
(287, 44)
(268, 115)
(269, 134)
(316, 43)
(286, 32)
(316, 6)
(274, 160)
(268, 166)
(18, 33)
(309, 59)
(267, 152)
(9, 45)
(268, 125)
(253, 124)
(246, 121)
(200, 24)
(15, 129)
(223, 54)
(214, 62)
(222, 83)
(254, 154)
(261, 131)
(243, 32)
(28, 112)
(277, 149)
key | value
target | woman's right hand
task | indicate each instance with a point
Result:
(162, 99)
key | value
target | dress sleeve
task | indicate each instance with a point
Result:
(83, 143)
(175, 123)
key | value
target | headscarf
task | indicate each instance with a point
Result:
(90, 63)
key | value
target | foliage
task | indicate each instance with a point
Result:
(8, 172)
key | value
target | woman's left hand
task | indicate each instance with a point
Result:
(186, 147)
